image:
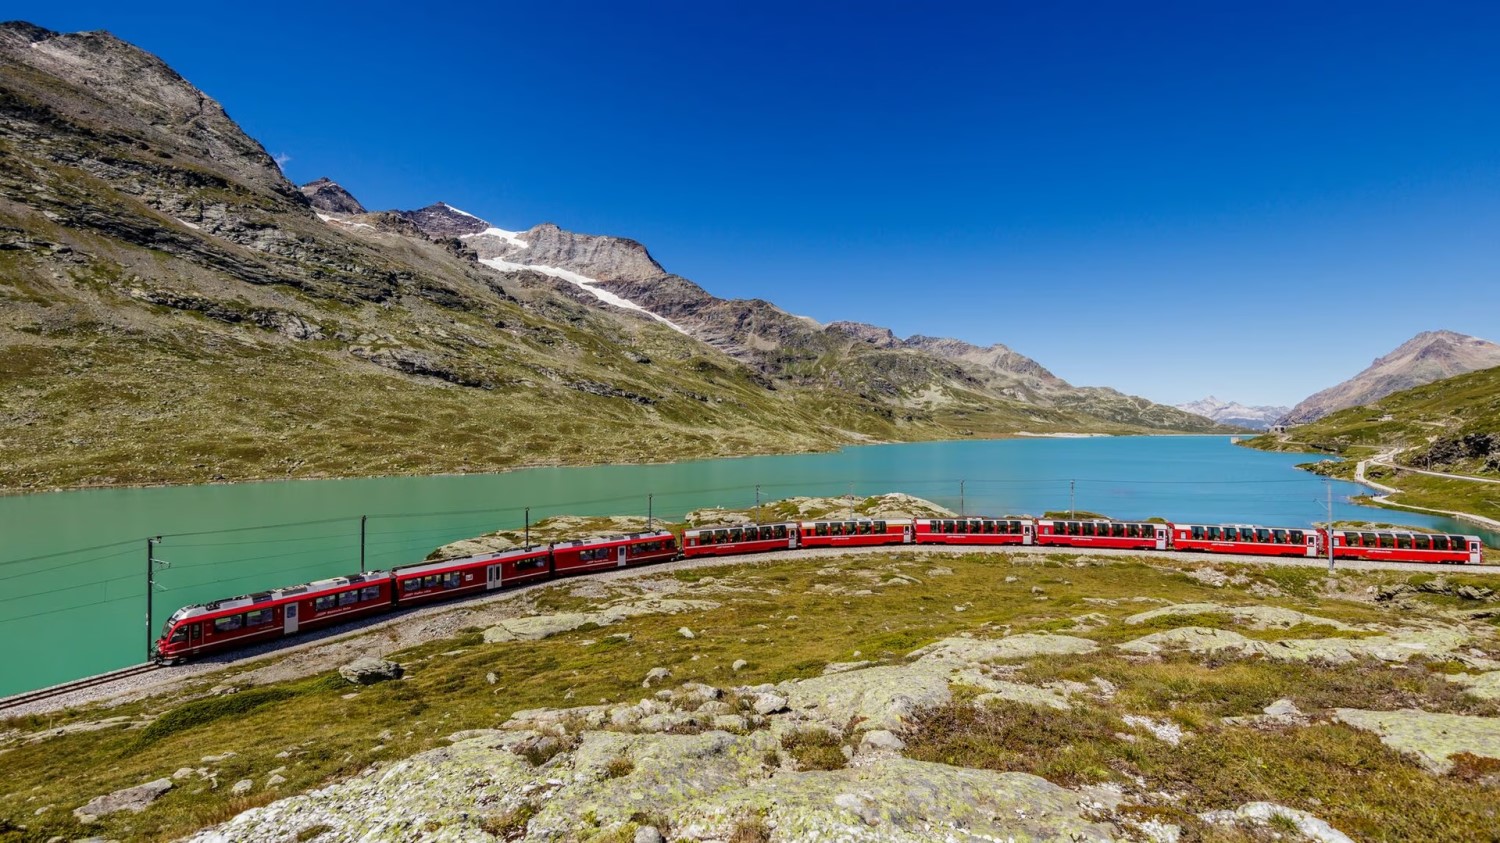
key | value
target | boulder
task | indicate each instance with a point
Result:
(1261, 813)
(242, 787)
(1391, 592)
(368, 671)
(133, 799)
(881, 740)
(1474, 592)
(655, 676)
(739, 665)
(1429, 736)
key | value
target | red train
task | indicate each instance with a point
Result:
(240, 621)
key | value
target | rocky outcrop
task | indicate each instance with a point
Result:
(1255, 617)
(706, 786)
(442, 221)
(134, 799)
(1395, 646)
(368, 671)
(536, 627)
(1427, 357)
(1432, 737)
(328, 196)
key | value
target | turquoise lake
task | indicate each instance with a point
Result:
(73, 564)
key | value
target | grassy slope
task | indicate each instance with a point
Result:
(1405, 422)
(786, 624)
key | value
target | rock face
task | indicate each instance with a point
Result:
(1432, 737)
(1427, 357)
(326, 195)
(134, 799)
(441, 220)
(1234, 413)
(706, 785)
(368, 671)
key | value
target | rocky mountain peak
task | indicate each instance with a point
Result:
(872, 335)
(596, 256)
(441, 220)
(108, 82)
(328, 196)
(1427, 357)
(1235, 413)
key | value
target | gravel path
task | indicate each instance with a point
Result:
(327, 649)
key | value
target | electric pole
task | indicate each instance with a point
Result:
(961, 498)
(757, 503)
(1329, 484)
(150, 593)
(648, 512)
(1071, 508)
(362, 520)
(527, 540)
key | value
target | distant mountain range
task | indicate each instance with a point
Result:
(1234, 413)
(1429, 356)
(172, 309)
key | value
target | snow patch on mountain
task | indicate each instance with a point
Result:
(584, 282)
(511, 237)
(1235, 413)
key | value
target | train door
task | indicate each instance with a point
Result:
(907, 535)
(1312, 545)
(1476, 553)
(195, 636)
(1161, 538)
(290, 625)
(492, 577)
(1026, 534)
(794, 538)
(621, 557)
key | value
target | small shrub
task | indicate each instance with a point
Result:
(618, 767)
(815, 750)
(750, 830)
(510, 825)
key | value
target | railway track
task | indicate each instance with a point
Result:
(79, 685)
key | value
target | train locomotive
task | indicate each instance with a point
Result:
(234, 622)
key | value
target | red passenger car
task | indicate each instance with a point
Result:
(856, 532)
(973, 531)
(745, 538)
(582, 555)
(432, 581)
(1248, 539)
(240, 621)
(1392, 546)
(1125, 535)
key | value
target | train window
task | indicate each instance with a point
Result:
(327, 601)
(947, 526)
(1262, 534)
(1422, 542)
(450, 580)
(259, 617)
(864, 528)
(1278, 536)
(1298, 537)
(780, 531)
(1198, 533)
(1367, 539)
(348, 598)
(1439, 542)
(880, 526)
(1387, 540)
(1117, 531)
(229, 624)
(1247, 534)
(1403, 541)
(179, 634)
(821, 529)
(369, 593)
(1457, 542)
(721, 536)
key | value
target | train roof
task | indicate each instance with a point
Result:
(975, 518)
(245, 601)
(861, 519)
(460, 561)
(1378, 530)
(658, 534)
(696, 530)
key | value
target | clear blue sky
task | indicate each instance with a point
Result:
(1174, 199)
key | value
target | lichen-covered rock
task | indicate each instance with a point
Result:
(1431, 737)
(133, 799)
(368, 671)
(969, 651)
(881, 697)
(537, 627)
(1028, 694)
(1397, 646)
(1261, 813)
(1256, 617)
(655, 676)
(1485, 686)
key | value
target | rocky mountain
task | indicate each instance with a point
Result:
(326, 195)
(1427, 357)
(935, 374)
(172, 309)
(1234, 413)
